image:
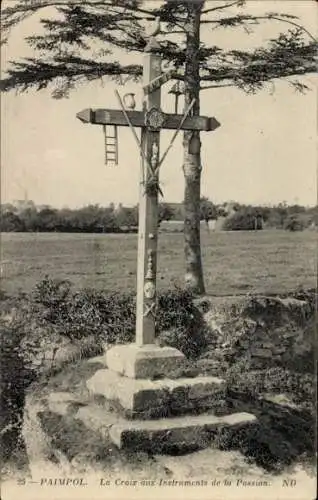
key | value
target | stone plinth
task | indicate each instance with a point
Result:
(164, 435)
(143, 398)
(144, 362)
(151, 410)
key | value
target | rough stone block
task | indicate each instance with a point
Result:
(180, 433)
(144, 362)
(63, 403)
(96, 419)
(97, 360)
(155, 398)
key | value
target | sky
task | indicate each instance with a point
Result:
(265, 151)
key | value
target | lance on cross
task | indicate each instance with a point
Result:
(151, 120)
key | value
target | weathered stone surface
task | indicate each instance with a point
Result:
(175, 433)
(154, 398)
(63, 403)
(96, 419)
(97, 360)
(148, 361)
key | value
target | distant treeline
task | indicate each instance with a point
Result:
(27, 217)
(89, 219)
(281, 216)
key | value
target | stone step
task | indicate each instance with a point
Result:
(94, 439)
(166, 435)
(144, 399)
(176, 434)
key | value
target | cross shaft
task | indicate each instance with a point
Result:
(151, 120)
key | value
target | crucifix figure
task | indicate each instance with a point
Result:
(151, 120)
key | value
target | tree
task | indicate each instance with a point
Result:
(67, 58)
(280, 214)
(10, 222)
(294, 222)
(29, 217)
(95, 219)
(126, 217)
(208, 211)
(245, 219)
(165, 212)
(47, 219)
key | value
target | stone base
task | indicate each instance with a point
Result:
(101, 428)
(144, 362)
(179, 433)
(156, 398)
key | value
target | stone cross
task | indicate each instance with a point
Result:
(151, 120)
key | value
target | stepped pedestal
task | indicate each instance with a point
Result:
(154, 409)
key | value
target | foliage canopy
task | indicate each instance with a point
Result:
(68, 45)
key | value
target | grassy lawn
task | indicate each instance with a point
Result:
(234, 262)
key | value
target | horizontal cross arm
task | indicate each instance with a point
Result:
(137, 119)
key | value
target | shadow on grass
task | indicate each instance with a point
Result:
(282, 437)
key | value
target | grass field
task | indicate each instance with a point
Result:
(234, 262)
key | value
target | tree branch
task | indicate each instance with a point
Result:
(238, 3)
(225, 85)
(114, 25)
(12, 15)
(240, 19)
(34, 73)
(41, 4)
(294, 24)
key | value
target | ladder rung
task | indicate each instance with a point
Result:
(111, 144)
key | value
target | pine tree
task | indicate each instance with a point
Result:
(68, 58)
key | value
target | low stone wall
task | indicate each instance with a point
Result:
(261, 332)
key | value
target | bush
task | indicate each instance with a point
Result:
(294, 223)
(284, 403)
(59, 310)
(180, 324)
(300, 387)
(53, 308)
(110, 317)
(243, 220)
(16, 376)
